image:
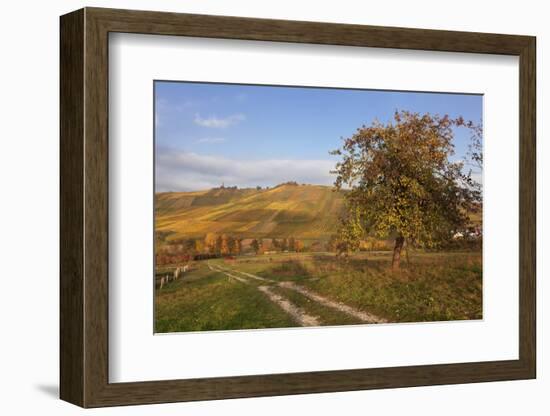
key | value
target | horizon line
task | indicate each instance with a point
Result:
(258, 187)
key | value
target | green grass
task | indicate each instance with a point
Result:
(214, 302)
(328, 316)
(278, 267)
(433, 287)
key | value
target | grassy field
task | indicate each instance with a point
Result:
(232, 294)
(211, 301)
(304, 211)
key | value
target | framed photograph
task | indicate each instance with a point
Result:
(254, 207)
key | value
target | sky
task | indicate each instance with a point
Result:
(207, 134)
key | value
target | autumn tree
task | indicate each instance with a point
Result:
(330, 245)
(401, 182)
(475, 149)
(350, 232)
(211, 243)
(284, 244)
(256, 246)
(291, 244)
(232, 245)
(199, 246)
(348, 237)
(224, 246)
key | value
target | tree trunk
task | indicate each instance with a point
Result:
(397, 252)
(407, 251)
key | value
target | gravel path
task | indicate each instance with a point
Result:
(253, 276)
(297, 313)
(341, 307)
(294, 311)
(240, 279)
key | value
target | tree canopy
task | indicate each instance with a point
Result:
(401, 182)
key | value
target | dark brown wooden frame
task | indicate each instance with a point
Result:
(84, 207)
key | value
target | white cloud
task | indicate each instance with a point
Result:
(184, 171)
(211, 140)
(219, 123)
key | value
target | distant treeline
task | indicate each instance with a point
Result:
(218, 245)
(285, 244)
(215, 245)
(234, 187)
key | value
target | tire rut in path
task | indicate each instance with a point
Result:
(366, 317)
(341, 307)
(294, 311)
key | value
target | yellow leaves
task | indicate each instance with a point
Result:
(401, 178)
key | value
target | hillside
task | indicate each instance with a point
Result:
(301, 211)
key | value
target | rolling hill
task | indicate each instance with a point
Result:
(302, 211)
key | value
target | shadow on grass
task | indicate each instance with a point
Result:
(290, 270)
(327, 264)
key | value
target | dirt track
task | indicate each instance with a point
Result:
(297, 313)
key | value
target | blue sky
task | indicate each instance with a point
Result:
(248, 135)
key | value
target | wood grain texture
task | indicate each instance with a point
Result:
(527, 207)
(96, 219)
(84, 207)
(71, 100)
(162, 23)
